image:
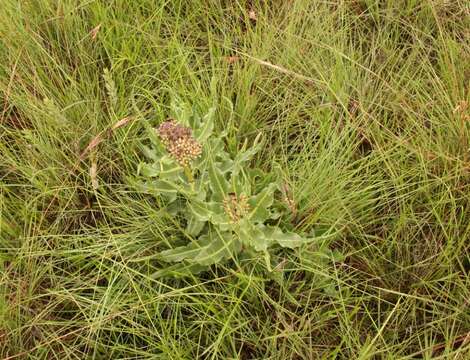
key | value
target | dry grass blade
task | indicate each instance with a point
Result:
(461, 107)
(252, 15)
(121, 123)
(94, 31)
(231, 59)
(283, 70)
(94, 174)
(101, 136)
(458, 342)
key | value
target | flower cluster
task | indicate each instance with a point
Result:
(179, 142)
(236, 207)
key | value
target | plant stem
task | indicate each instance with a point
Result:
(189, 175)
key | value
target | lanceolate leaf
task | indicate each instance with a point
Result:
(150, 153)
(202, 211)
(216, 146)
(221, 246)
(285, 239)
(218, 183)
(194, 226)
(164, 168)
(247, 154)
(163, 186)
(208, 249)
(149, 170)
(207, 126)
(181, 111)
(252, 236)
(169, 168)
(222, 221)
(156, 187)
(240, 184)
(261, 203)
(179, 270)
(181, 253)
(152, 136)
(225, 166)
(201, 185)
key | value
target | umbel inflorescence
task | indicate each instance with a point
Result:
(236, 207)
(179, 142)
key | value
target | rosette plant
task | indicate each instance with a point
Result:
(227, 207)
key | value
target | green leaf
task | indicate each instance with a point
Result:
(149, 170)
(165, 168)
(240, 184)
(175, 207)
(181, 253)
(167, 189)
(163, 186)
(261, 203)
(285, 239)
(255, 174)
(221, 246)
(157, 187)
(202, 186)
(245, 154)
(221, 220)
(225, 166)
(217, 149)
(205, 131)
(208, 249)
(180, 111)
(179, 270)
(202, 211)
(152, 134)
(150, 153)
(252, 236)
(186, 252)
(169, 168)
(218, 183)
(194, 226)
(194, 119)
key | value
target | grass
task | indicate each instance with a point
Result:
(361, 101)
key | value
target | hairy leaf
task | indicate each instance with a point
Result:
(246, 154)
(179, 270)
(261, 203)
(207, 126)
(285, 239)
(169, 169)
(202, 211)
(194, 226)
(181, 111)
(209, 249)
(150, 153)
(221, 246)
(181, 253)
(164, 168)
(252, 236)
(241, 184)
(218, 183)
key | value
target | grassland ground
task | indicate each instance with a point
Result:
(364, 103)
